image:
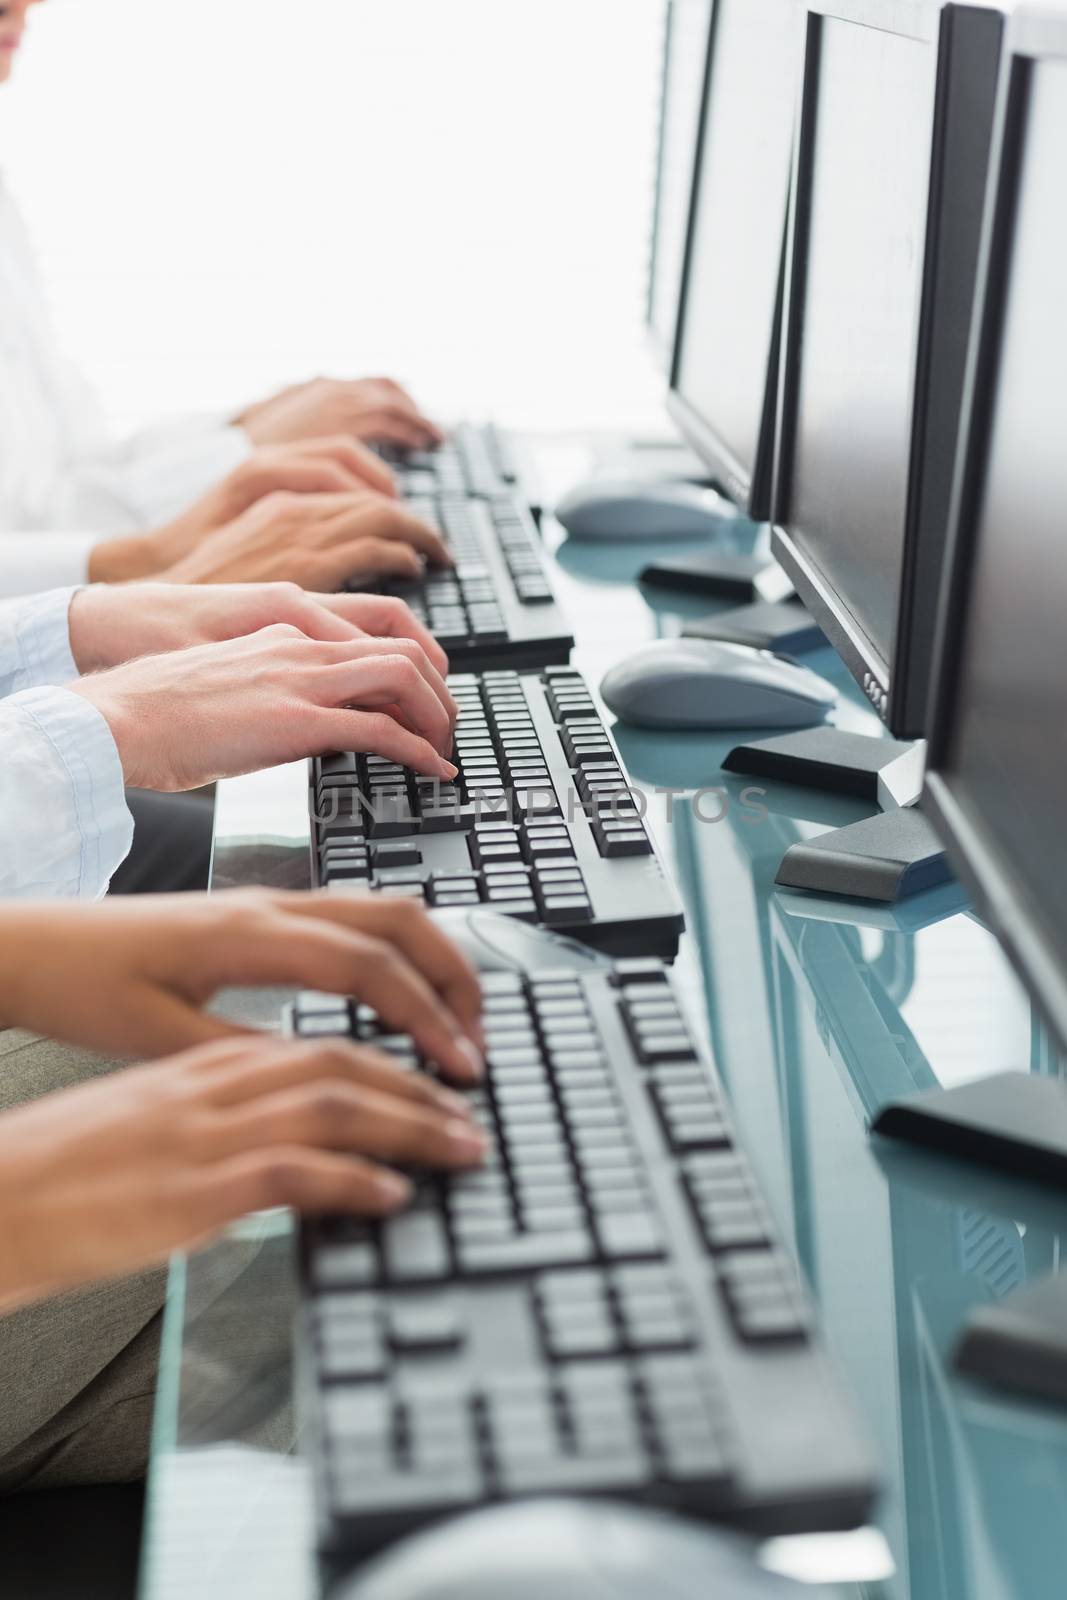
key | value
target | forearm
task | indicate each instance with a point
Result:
(125, 560)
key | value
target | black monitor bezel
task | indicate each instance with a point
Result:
(662, 350)
(749, 490)
(663, 344)
(1033, 35)
(898, 689)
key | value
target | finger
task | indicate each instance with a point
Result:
(339, 957)
(380, 520)
(362, 464)
(238, 1073)
(388, 681)
(320, 622)
(364, 560)
(308, 476)
(388, 618)
(311, 1181)
(407, 927)
(336, 1115)
(375, 733)
(352, 961)
(390, 424)
(410, 651)
(411, 407)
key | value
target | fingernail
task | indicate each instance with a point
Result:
(449, 770)
(393, 1190)
(466, 1140)
(455, 1103)
(472, 1056)
(477, 1033)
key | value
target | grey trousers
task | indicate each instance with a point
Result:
(77, 1373)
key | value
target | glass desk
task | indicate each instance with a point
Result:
(816, 1012)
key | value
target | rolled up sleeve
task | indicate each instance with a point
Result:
(35, 641)
(66, 827)
(30, 562)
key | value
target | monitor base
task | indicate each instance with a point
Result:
(784, 627)
(1020, 1343)
(1015, 1122)
(883, 858)
(819, 758)
(722, 574)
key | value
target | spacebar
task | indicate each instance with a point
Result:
(526, 1252)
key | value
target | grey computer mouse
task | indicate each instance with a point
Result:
(631, 508)
(493, 943)
(707, 683)
(570, 1550)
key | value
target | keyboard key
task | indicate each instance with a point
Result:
(415, 1248)
(629, 1235)
(526, 1253)
(424, 1323)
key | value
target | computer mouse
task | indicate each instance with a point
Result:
(577, 1550)
(493, 943)
(631, 508)
(708, 683)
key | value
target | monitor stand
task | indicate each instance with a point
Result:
(821, 758)
(883, 858)
(783, 626)
(721, 574)
(1015, 1122)
(1020, 1343)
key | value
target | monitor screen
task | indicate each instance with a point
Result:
(845, 503)
(1006, 754)
(686, 54)
(739, 212)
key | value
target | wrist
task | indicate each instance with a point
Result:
(122, 725)
(88, 628)
(124, 560)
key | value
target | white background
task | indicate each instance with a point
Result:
(230, 194)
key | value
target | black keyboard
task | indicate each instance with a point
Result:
(476, 459)
(603, 1308)
(540, 823)
(496, 606)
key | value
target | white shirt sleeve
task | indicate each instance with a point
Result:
(31, 562)
(61, 465)
(155, 475)
(35, 642)
(66, 825)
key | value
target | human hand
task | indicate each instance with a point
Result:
(112, 623)
(317, 540)
(190, 717)
(366, 408)
(138, 972)
(312, 466)
(104, 1179)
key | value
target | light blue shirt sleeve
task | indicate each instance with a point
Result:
(64, 824)
(35, 641)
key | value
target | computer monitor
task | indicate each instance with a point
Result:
(685, 53)
(724, 373)
(997, 765)
(889, 183)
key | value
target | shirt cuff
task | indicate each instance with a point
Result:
(43, 635)
(85, 755)
(165, 472)
(31, 562)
